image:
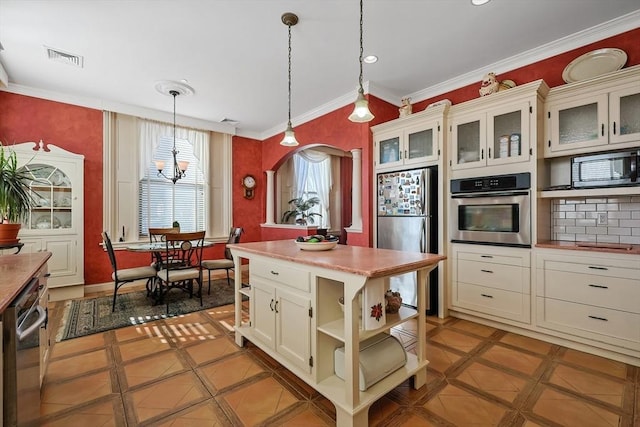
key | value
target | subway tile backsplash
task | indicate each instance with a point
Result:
(603, 220)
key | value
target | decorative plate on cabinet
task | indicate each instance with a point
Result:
(593, 64)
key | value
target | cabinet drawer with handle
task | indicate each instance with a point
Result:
(496, 302)
(597, 323)
(594, 267)
(610, 292)
(286, 275)
(520, 260)
(499, 276)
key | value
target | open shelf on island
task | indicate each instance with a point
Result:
(335, 328)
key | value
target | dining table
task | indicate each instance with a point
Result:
(156, 249)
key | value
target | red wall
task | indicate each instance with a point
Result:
(79, 130)
(76, 129)
(248, 213)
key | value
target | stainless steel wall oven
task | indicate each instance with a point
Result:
(492, 210)
(21, 323)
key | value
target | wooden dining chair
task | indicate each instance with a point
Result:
(184, 254)
(127, 275)
(225, 263)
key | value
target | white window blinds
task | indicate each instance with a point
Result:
(160, 201)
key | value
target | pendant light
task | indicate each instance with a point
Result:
(361, 112)
(289, 139)
(179, 169)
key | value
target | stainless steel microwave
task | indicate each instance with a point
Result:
(605, 170)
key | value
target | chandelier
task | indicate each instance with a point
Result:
(179, 168)
(289, 139)
(361, 112)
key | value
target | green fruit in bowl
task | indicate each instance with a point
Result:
(313, 240)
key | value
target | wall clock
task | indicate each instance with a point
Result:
(249, 185)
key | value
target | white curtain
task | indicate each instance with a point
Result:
(150, 133)
(317, 166)
(149, 137)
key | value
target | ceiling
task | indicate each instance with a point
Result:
(234, 52)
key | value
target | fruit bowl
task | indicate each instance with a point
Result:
(317, 246)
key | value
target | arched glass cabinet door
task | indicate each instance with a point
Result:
(51, 189)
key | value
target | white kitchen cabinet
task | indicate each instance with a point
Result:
(282, 321)
(56, 222)
(280, 310)
(492, 282)
(412, 141)
(497, 129)
(590, 298)
(595, 115)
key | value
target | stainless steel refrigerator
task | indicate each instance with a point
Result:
(407, 221)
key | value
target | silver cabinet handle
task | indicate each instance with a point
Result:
(42, 318)
(593, 267)
(591, 285)
(599, 318)
(486, 271)
(487, 296)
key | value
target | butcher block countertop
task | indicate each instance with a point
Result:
(15, 273)
(364, 261)
(616, 248)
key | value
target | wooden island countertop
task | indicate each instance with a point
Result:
(16, 271)
(363, 261)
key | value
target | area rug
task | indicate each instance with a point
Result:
(93, 315)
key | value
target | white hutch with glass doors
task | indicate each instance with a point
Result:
(56, 220)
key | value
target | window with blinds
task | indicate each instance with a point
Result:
(161, 202)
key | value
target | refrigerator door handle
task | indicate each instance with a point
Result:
(423, 235)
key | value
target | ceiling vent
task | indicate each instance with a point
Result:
(65, 57)
(229, 121)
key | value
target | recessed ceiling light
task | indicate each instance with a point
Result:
(479, 2)
(370, 59)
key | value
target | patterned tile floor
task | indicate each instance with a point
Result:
(187, 371)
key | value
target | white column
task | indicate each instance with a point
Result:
(356, 189)
(270, 202)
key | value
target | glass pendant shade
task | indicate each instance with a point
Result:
(361, 113)
(289, 139)
(183, 165)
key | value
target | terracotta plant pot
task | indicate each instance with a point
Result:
(9, 233)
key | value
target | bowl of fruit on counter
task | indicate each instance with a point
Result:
(317, 242)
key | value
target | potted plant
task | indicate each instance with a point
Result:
(15, 198)
(300, 210)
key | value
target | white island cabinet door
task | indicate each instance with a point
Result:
(293, 328)
(263, 312)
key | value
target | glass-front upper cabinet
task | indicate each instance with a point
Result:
(408, 145)
(598, 115)
(578, 123)
(624, 110)
(51, 192)
(493, 137)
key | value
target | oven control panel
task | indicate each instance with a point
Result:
(518, 181)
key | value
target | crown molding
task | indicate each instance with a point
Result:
(104, 105)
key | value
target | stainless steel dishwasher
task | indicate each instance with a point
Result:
(21, 323)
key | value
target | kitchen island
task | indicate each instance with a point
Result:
(294, 316)
(16, 271)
